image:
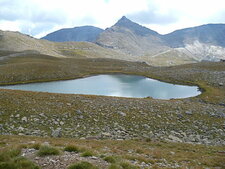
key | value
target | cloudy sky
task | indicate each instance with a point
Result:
(39, 17)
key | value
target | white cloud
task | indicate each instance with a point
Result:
(38, 17)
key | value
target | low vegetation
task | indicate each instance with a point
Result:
(148, 133)
(11, 159)
(118, 154)
(48, 150)
(82, 165)
(111, 159)
(126, 165)
(72, 148)
(87, 154)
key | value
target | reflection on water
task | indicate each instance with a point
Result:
(114, 85)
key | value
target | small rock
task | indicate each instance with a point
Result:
(68, 104)
(42, 115)
(36, 119)
(94, 158)
(183, 134)
(79, 112)
(17, 116)
(81, 117)
(172, 152)
(220, 84)
(24, 119)
(61, 123)
(21, 128)
(189, 112)
(146, 126)
(174, 138)
(180, 116)
(106, 134)
(121, 113)
(57, 132)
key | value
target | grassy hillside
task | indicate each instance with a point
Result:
(112, 154)
(139, 132)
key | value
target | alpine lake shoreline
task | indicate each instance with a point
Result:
(94, 121)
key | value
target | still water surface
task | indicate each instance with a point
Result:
(113, 85)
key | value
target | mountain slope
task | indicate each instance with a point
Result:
(188, 45)
(204, 42)
(132, 39)
(83, 33)
(141, 44)
(13, 44)
(212, 34)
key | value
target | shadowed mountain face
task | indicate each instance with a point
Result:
(83, 33)
(213, 34)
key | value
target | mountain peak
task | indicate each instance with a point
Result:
(136, 28)
(123, 21)
(124, 18)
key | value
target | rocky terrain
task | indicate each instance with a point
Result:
(194, 120)
(113, 118)
(138, 133)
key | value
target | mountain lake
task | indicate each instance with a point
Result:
(119, 85)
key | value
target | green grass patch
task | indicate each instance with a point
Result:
(11, 159)
(36, 146)
(72, 148)
(82, 165)
(48, 150)
(87, 154)
(115, 166)
(111, 159)
(126, 165)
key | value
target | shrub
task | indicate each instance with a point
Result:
(82, 165)
(35, 146)
(110, 159)
(71, 148)
(8, 165)
(47, 150)
(87, 154)
(14, 152)
(23, 163)
(8, 155)
(12, 160)
(114, 166)
(126, 165)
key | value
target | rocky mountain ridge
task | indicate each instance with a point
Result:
(127, 40)
(140, 43)
(191, 44)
